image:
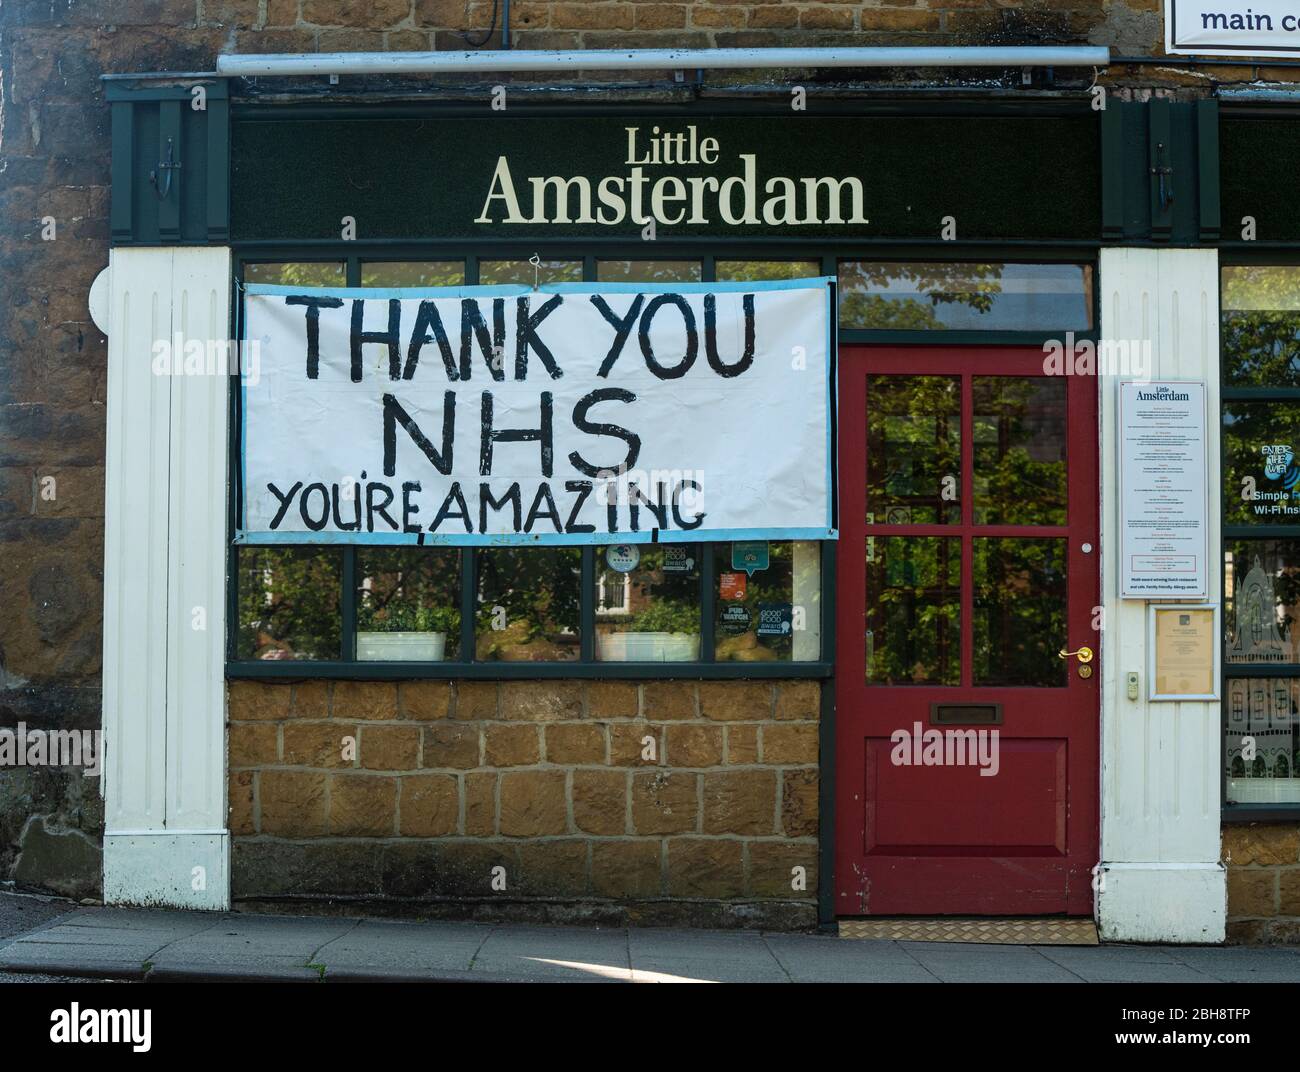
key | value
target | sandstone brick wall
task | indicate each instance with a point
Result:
(553, 781)
(1263, 862)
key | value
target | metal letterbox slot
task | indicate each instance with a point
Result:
(958, 713)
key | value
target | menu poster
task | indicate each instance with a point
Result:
(1184, 652)
(1164, 496)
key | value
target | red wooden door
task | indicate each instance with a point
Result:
(967, 748)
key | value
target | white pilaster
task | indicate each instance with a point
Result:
(165, 840)
(1160, 780)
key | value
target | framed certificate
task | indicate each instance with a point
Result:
(1183, 651)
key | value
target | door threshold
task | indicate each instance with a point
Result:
(1042, 930)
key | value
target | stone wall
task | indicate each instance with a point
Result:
(664, 801)
(1263, 862)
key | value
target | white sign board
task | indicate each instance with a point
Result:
(1242, 28)
(575, 413)
(1163, 492)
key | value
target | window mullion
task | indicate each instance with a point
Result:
(468, 602)
(587, 606)
(708, 590)
(348, 604)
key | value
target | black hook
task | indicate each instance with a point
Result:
(1166, 186)
(169, 165)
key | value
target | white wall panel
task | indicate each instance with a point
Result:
(1161, 783)
(164, 690)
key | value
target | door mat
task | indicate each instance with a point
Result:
(977, 929)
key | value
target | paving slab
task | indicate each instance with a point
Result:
(1241, 965)
(833, 960)
(708, 956)
(971, 964)
(263, 945)
(105, 941)
(555, 953)
(1111, 969)
(399, 949)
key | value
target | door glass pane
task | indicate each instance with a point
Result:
(1261, 738)
(1019, 433)
(413, 274)
(1261, 585)
(1018, 611)
(914, 610)
(1261, 326)
(528, 604)
(936, 296)
(745, 271)
(408, 604)
(298, 274)
(913, 450)
(500, 272)
(767, 609)
(648, 271)
(1261, 463)
(289, 603)
(648, 603)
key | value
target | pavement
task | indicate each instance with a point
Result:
(43, 939)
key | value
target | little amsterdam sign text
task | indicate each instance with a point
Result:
(733, 192)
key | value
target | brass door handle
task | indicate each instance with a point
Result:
(1084, 654)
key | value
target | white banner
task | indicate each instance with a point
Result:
(1232, 27)
(576, 413)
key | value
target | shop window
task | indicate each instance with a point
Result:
(1261, 588)
(289, 603)
(1260, 325)
(413, 274)
(528, 604)
(648, 603)
(1261, 717)
(934, 296)
(298, 273)
(498, 273)
(1261, 750)
(408, 604)
(767, 601)
(648, 271)
(755, 271)
(1261, 468)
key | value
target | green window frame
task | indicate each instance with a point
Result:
(341, 567)
(1258, 677)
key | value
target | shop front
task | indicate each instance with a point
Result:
(851, 640)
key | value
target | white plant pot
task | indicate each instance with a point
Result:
(401, 647)
(648, 647)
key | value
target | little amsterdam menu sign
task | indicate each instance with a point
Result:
(1163, 498)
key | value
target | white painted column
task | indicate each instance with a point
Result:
(1161, 878)
(165, 838)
